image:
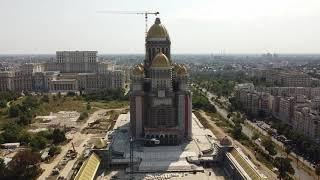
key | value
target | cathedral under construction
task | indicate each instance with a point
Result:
(160, 98)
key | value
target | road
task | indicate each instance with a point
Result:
(301, 159)
(299, 172)
(78, 138)
(219, 133)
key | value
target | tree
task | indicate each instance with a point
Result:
(45, 98)
(30, 102)
(284, 167)
(199, 100)
(255, 136)
(46, 134)
(3, 169)
(83, 115)
(287, 149)
(11, 133)
(24, 165)
(25, 119)
(88, 106)
(1, 139)
(269, 145)
(14, 111)
(3, 103)
(237, 131)
(24, 137)
(9, 95)
(58, 136)
(106, 94)
(318, 170)
(71, 93)
(38, 142)
(54, 150)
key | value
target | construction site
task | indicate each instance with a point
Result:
(83, 138)
(203, 157)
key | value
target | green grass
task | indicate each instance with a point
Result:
(62, 104)
(110, 104)
(220, 121)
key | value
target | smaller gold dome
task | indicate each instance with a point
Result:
(100, 143)
(182, 70)
(160, 60)
(226, 141)
(176, 67)
(138, 70)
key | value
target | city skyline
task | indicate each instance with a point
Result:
(208, 89)
(213, 26)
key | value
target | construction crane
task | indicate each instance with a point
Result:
(145, 13)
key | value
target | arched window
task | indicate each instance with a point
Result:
(149, 54)
(153, 53)
(161, 114)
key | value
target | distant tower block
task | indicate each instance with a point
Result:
(160, 98)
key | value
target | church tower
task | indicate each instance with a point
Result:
(157, 40)
(160, 99)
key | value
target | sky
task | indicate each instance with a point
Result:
(195, 26)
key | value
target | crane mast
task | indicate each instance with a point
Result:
(145, 13)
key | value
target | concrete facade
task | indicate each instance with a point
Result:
(73, 71)
(77, 61)
(160, 99)
(307, 122)
(297, 107)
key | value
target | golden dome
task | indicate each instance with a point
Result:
(100, 143)
(182, 70)
(176, 67)
(226, 141)
(160, 60)
(157, 30)
(138, 70)
(141, 65)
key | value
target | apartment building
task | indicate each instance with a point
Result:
(254, 102)
(307, 122)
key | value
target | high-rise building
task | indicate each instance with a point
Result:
(307, 122)
(160, 99)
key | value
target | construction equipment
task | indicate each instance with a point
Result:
(145, 13)
(72, 153)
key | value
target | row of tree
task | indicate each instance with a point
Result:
(24, 111)
(13, 132)
(301, 144)
(106, 95)
(281, 163)
(214, 83)
(24, 165)
(200, 101)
